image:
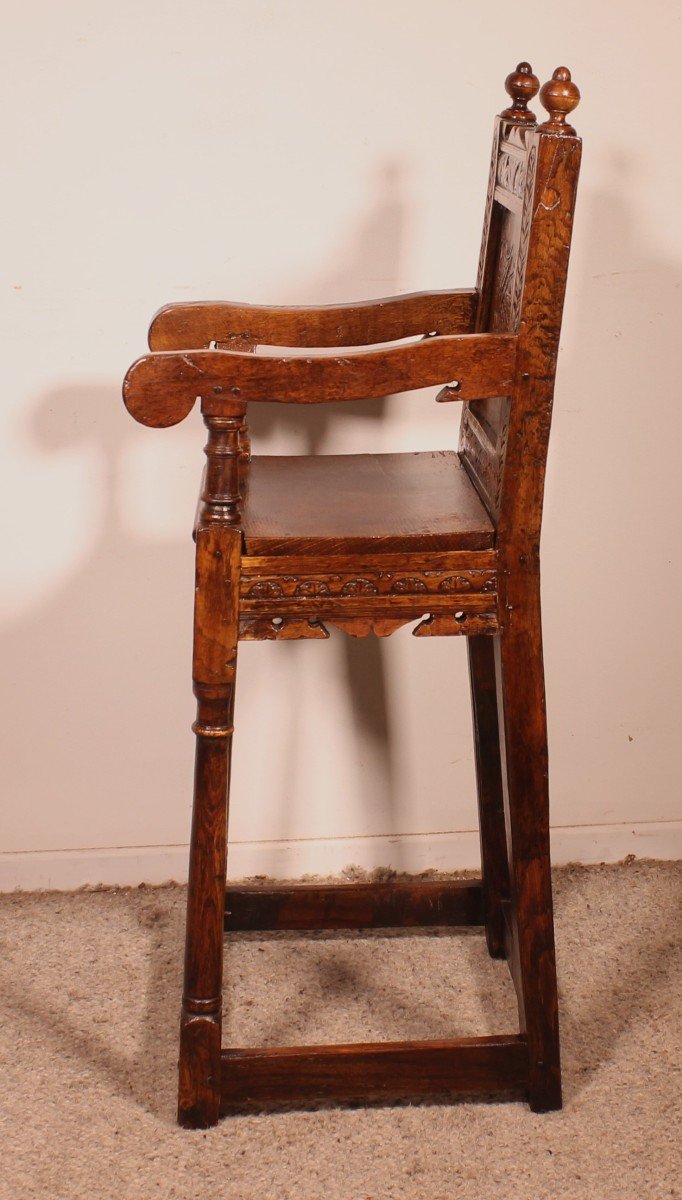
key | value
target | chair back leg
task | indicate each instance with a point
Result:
(494, 866)
(530, 936)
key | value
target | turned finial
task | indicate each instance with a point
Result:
(559, 96)
(521, 85)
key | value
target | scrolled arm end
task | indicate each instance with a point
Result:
(148, 398)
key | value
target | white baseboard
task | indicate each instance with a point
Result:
(64, 870)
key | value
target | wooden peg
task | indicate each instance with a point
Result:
(559, 96)
(521, 85)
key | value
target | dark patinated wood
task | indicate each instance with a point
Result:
(494, 866)
(519, 652)
(161, 389)
(183, 326)
(216, 633)
(559, 96)
(289, 548)
(354, 905)
(374, 1071)
(450, 571)
(330, 504)
(287, 596)
(521, 85)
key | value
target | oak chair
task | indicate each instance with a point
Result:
(288, 546)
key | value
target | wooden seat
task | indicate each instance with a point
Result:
(447, 541)
(346, 503)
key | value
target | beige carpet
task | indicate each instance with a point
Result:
(89, 988)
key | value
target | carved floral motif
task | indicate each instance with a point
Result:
(526, 221)
(311, 587)
(381, 599)
(284, 587)
(488, 466)
(461, 583)
(359, 587)
(265, 589)
(504, 280)
(480, 274)
(510, 172)
(409, 586)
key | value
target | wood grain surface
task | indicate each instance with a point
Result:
(369, 544)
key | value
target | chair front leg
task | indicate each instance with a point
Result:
(521, 698)
(218, 558)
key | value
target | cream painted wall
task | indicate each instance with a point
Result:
(301, 152)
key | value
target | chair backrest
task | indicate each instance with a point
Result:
(521, 284)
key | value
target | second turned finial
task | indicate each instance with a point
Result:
(521, 85)
(559, 96)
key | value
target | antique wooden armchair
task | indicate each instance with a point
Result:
(288, 546)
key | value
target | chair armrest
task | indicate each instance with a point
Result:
(196, 326)
(161, 389)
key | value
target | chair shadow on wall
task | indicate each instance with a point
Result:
(95, 668)
(99, 656)
(372, 252)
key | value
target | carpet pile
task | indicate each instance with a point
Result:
(89, 987)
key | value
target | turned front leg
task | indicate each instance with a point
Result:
(216, 623)
(199, 1084)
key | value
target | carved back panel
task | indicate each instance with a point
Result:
(501, 274)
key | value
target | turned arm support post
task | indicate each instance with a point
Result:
(241, 326)
(220, 496)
